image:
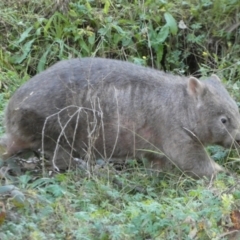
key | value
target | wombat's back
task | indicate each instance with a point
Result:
(68, 85)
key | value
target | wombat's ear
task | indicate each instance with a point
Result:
(216, 77)
(195, 87)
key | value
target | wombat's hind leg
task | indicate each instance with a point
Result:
(14, 145)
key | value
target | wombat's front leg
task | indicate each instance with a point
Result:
(193, 159)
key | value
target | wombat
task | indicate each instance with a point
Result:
(95, 107)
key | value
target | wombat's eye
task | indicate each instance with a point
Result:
(224, 120)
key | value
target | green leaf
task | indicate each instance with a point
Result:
(18, 196)
(7, 189)
(26, 49)
(119, 29)
(84, 46)
(91, 39)
(106, 7)
(236, 194)
(43, 60)
(116, 38)
(47, 26)
(88, 6)
(24, 35)
(56, 190)
(163, 34)
(159, 51)
(25, 179)
(41, 182)
(171, 23)
(61, 47)
(127, 41)
(72, 13)
(103, 31)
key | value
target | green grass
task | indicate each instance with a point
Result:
(71, 206)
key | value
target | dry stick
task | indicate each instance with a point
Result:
(233, 144)
(150, 46)
(62, 131)
(227, 233)
(58, 140)
(73, 92)
(74, 136)
(148, 38)
(118, 126)
(103, 132)
(91, 135)
(134, 141)
(100, 112)
(94, 119)
(90, 132)
(102, 123)
(87, 146)
(59, 121)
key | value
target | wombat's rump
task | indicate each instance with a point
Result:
(109, 108)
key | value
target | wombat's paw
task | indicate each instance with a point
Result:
(213, 170)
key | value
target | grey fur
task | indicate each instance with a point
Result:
(119, 110)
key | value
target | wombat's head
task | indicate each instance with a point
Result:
(218, 118)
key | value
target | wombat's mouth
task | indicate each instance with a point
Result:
(233, 144)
